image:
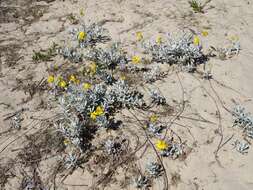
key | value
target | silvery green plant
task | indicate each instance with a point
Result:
(207, 75)
(142, 182)
(154, 169)
(72, 54)
(178, 50)
(230, 51)
(152, 75)
(71, 160)
(174, 150)
(121, 95)
(114, 146)
(241, 147)
(244, 120)
(108, 58)
(157, 97)
(77, 105)
(16, 121)
(94, 34)
(155, 128)
(73, 133)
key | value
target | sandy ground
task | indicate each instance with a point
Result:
(27, 25)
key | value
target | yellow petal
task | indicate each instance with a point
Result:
(99, 110)
(72, 78)
(93, 115)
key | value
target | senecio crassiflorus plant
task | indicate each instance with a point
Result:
(184, 50)
(90, 98)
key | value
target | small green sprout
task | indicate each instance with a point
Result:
(196, 6)
(45, 55)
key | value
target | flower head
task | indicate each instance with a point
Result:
(196, 40)
(66, 142)
(86, 86)
(93, 68)
(62, 84)
(159, 40)
(122, 77)
(153, 118)
(204, 33)
(139, 36)
(81, 36)
(161, 145)
(234, 38)
(72, 78)
(50, 79)
(136, 59)
(98, 112)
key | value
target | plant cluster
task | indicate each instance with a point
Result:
(109, 58)
(241, 147)
(91, 97)
(169, 148)
(243, 120)
(183, 50)
(154, 169)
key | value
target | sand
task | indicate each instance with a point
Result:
(28, 25)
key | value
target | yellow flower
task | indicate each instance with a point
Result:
(122, 77)
(50, 79)
(234, 38)
(93, 68)
(153, 118)
(62, 84)
(161, 145)
(204, 33)
(72, 78)
(99, 110)
(56, 67)
(86, 86)
(77, 81)
(159, 40)
(139, 36)
(196, 40)
(136, 59)
(66, 142)
(81, 36)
